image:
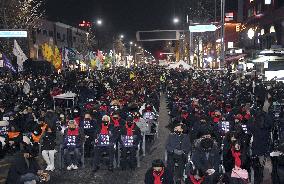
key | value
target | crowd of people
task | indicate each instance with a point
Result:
(223, 127)
(104, 122)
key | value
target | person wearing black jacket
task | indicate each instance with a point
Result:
(89, 126)
(48, 143)
(130, 137)
(158, 173)
(177, 147)
(24, 169)
(207, 158)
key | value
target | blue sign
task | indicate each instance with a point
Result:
(202, 28)
(13, 34)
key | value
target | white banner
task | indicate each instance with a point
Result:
(21, 57)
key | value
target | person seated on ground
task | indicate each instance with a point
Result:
(158, 174)
(129, 140)
(196, 176)
(73, 140)
(207, 157)
(177, 147)
(48, 143)
(88, 124)
(25, 169)
(105, 139)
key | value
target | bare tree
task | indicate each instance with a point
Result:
(19, 14)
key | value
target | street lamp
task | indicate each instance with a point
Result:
(99, 22)
(176, 20)
(131, 43)
(122, 36)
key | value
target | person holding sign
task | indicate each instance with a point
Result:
(105, 139)
(129, 141)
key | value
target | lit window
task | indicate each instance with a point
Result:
(267, 2)
(272, 29)
(262, 32)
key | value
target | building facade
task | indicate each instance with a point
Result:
(56, 34)
(262, 24)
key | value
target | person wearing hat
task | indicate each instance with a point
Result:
(73, 140)
(24, 169)
(177, 147)
(158, 174)
(206, 157)
(106, 136)
(130, 137)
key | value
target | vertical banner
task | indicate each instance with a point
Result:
(21, 57)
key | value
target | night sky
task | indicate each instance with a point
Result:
(119, 16)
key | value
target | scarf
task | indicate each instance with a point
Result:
(73, 132)
(157, 177)
(195, 181)
(104, 130)
(236, 155)
(129, 129)
(103, 108)
(247, 116)
(216, 119)
(115, 122)
(185, 115)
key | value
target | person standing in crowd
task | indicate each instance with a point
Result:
(48, 144)
(261, 144)
(158, 174)
(207, 158)
(177, 147)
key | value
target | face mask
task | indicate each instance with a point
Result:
(87, 119)
(105, 123)
(157, 172)
(207, 143)
(129, 124)
(178, 132)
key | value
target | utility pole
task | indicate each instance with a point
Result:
(222, 58)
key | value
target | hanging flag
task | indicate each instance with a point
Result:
(66, 59)
(21, 57)
(8, 64)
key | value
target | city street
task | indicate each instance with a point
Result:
(142, 92)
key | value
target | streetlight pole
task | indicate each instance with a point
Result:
(222, 58)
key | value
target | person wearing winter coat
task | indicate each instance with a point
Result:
(158, 174)
(48, 144)
(24, 169)
(177, 147)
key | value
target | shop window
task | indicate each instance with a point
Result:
(50, 33)
(259, 8)
(44, 32)
(250, 12)
(58, 36)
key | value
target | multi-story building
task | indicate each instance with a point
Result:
(57, 34)
(262, 23)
